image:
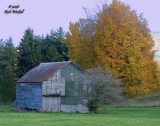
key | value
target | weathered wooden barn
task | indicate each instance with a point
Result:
(50, 87)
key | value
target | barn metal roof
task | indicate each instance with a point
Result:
(42, 72)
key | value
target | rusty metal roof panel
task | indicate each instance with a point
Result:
(42, 72)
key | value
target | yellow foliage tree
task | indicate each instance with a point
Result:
(80, 43)
(118, 40)
(123, 45)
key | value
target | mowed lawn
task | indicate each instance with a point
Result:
(112, 116)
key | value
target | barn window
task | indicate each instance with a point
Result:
(22, 84)
(72, 76)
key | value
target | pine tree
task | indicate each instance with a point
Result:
(52, 48)
(8, 55)
(58, 36)
(36, 49)
(7, 86)
(1, 57)
(29, 52)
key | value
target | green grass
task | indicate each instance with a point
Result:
(112, 116)
(6, 108)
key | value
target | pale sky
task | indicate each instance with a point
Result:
(44, 15)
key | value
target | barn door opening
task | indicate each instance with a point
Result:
(51, 103)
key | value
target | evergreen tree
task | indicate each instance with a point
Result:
(52, 48)
(61, 47)
(7, 86)
(35, 49)
(1, 57)
(29, 53)
(59, 34)
(49, 50)
(8, 55)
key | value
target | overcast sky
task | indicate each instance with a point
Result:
(44, 15)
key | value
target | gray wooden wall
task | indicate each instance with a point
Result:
(51, 104)
(55, 84)
(51, 87)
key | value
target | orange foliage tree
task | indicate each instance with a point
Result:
(80, 43)
(124, 46)
(120, 41)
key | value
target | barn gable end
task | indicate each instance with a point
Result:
(69, 102)
(52, 90)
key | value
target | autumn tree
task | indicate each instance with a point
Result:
(124, 46)
(80, 42)
(118, 39)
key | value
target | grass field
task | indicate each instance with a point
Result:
(112, 116)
